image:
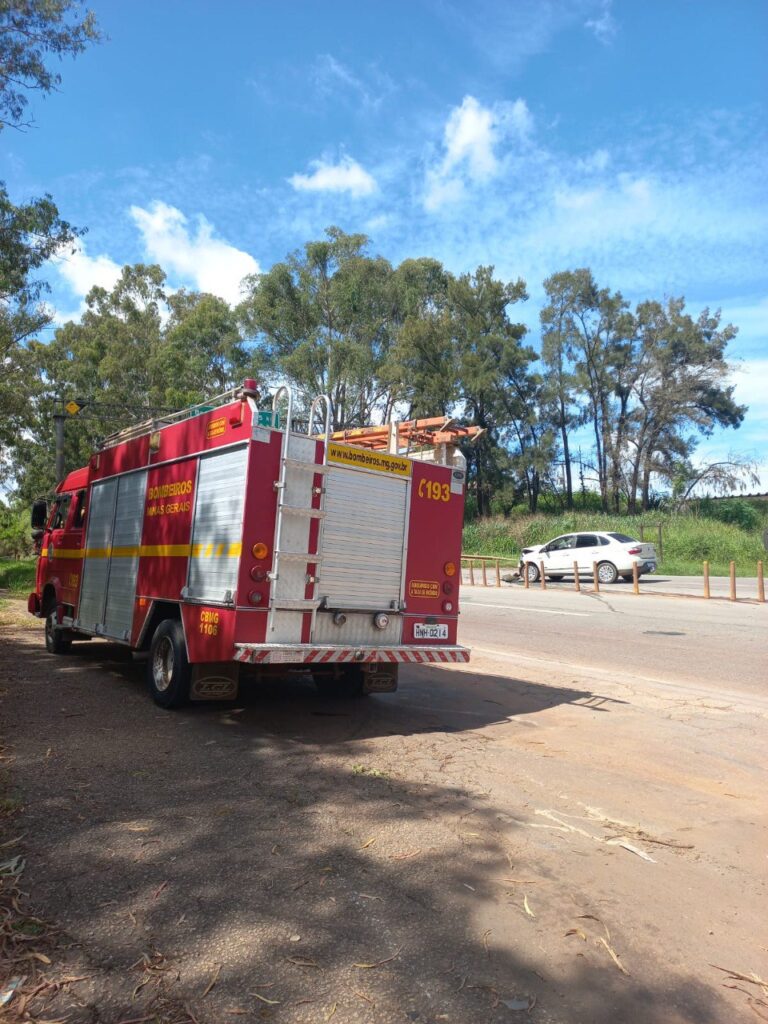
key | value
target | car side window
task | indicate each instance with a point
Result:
(561, 543)
(586, 540)
(60, 511)
(78, 512)
(604, 542)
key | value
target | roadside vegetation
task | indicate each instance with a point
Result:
(687, 540)
(17, 576)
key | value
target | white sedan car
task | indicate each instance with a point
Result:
(614, 553)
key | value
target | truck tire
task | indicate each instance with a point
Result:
(57, 640)
(168, 669)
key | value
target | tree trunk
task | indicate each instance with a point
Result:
(566, 460)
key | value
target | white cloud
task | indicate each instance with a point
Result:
(82, 272)
(471, 137)
(595, 162)
(209, 263)
(345, 176)
(603, 26)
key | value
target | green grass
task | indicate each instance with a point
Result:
(18, 577)
(687, 541)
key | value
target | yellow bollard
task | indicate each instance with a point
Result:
(576, 582)
(595, 580)
(760, 583)
(635, 578)
(732, 569)
(542, 577)
(526, 581)
(706, 580)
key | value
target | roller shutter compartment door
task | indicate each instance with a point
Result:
(218, 526)
(362, 540)
(98, 541)
(124, 563)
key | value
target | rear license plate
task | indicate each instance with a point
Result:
(421, 631)
(283, 657)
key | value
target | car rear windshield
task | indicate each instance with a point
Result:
(622, 538)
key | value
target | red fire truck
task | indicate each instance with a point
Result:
(223, 537)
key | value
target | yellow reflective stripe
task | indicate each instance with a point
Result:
(165, 550)
(156, 551)
(44, 552)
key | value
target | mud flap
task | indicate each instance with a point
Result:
(379, 677)
(214, 681)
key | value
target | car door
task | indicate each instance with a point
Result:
(587, 551)
(559, 552)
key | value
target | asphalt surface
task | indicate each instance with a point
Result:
(651, 636)
(571, 829)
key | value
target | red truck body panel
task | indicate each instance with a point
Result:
(184, 519)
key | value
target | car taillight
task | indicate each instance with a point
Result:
(635, 551)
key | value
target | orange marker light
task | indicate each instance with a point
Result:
(449, 568)
(260, 550)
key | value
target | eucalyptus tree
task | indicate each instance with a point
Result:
(324, 320)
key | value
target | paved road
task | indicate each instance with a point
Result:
(712, 643)
(573, 823)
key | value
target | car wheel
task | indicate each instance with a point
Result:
(168, 669)
(531, 572)
(607, 572)
(56, 639)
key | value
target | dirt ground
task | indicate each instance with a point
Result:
(483, 846)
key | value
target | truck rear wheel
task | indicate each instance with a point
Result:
(168, 669)
(57, 640)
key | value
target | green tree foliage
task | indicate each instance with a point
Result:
(136, 353)
(323, 318)
(649, 382)
(31, 32)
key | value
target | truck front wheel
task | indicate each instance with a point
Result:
(168, 669)
(57, 640)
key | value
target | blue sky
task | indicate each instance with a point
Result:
(629, 137)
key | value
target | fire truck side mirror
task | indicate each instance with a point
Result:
(39, 514)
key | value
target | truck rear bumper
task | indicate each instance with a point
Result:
(311, 654)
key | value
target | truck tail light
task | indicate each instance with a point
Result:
(447, 587)
(447, 606)
(255, 597)
(259, 550)
(449, 568)
(635, 551)
(258, 575)
(381, 620)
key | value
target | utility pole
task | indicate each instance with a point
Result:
(58, 422)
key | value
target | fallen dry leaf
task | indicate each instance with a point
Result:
(526, 905)
(613, 956)
(213, 981)
(378, 963)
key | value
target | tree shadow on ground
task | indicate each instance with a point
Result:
(293, 851)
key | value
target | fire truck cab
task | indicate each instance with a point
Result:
(224, 536)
